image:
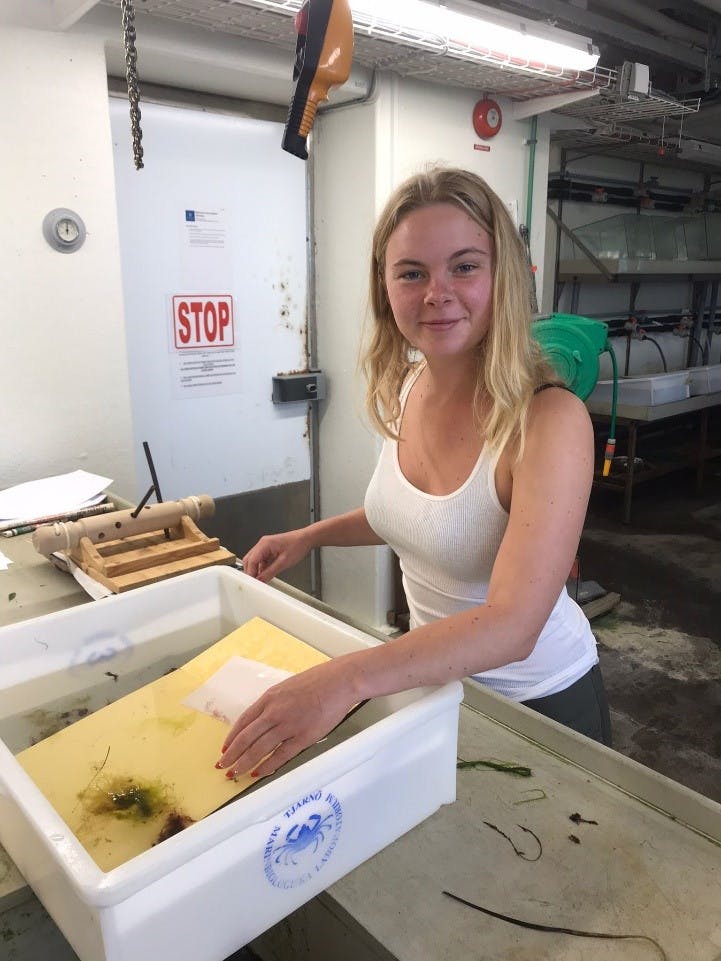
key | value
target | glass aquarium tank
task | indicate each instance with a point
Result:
(634, 236)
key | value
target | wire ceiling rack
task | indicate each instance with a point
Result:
(381, 44)
(605, 120)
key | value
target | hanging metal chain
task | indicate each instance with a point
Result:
(131, 72)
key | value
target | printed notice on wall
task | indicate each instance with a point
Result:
(206, 256)
(204, 373)
(206, 228)
(203, 345)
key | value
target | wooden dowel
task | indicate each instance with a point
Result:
(64, 537)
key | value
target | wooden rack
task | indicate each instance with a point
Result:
(141, 559)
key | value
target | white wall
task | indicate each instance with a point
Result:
(360, 154)
(344, 154)
(208, 414)
(185, 56)
(76, 410)
(434, 123)
(65, 397)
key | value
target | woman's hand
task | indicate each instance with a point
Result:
(275, 553)
(288, 718)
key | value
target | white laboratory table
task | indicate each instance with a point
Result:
(645, 859)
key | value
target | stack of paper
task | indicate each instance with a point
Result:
(48, 499)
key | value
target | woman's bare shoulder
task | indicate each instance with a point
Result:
(557, 402)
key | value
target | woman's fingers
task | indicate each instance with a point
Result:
(267, 569)
(275, 553)
(258, 732)
(254, 734)
(258, 558)
(243, 721)
(243, 757)
(284, 752)
(266, 755)
(288, 718)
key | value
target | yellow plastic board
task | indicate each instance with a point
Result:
(142, 768)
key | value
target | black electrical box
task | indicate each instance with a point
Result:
(289, 388)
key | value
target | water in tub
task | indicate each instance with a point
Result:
(130, 761)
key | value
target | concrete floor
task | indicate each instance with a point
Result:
(660, 648)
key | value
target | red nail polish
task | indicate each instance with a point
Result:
(218, 765)
(230, 775)
(254, 774)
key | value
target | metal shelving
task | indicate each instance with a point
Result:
(612, 108)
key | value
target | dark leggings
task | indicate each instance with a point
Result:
(583, 707)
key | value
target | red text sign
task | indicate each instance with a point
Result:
(203, 320)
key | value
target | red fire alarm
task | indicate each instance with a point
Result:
(487, 118)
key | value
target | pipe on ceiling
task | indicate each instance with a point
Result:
(714, 5)
(658, 23)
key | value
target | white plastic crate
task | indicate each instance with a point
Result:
(704, 380)
(645, 391)
(203, 893)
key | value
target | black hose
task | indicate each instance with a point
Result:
(698, 344)
(658, 348)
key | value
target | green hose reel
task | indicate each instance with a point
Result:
(572, 346)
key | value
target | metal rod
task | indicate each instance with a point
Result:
(579, 243)
(143, 502)
(713, 302)
(154, 477)
(316, 577)
(151, 468)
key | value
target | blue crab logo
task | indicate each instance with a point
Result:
(310, 834)
(103, 647)
(304, 841)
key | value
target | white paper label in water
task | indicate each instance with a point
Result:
(234, 687)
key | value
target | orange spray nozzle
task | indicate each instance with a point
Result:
(324, 53)
(608, 455)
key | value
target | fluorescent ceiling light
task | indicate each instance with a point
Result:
(484, 30)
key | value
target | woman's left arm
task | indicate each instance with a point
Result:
(551, 487)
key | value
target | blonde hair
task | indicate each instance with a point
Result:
(510, 364)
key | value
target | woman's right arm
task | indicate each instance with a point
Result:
(275, 553)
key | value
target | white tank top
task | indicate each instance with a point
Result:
(447, 545)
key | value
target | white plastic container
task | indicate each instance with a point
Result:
(645, 391)
(704, 380)
(205, 892)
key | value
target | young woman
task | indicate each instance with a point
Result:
(481, 487)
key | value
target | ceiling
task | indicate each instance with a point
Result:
(679, 40)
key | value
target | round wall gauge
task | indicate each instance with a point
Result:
(64, 230)
(487, 118)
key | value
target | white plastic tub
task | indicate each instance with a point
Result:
(704, 380)
(645, 391)
(203, 893)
